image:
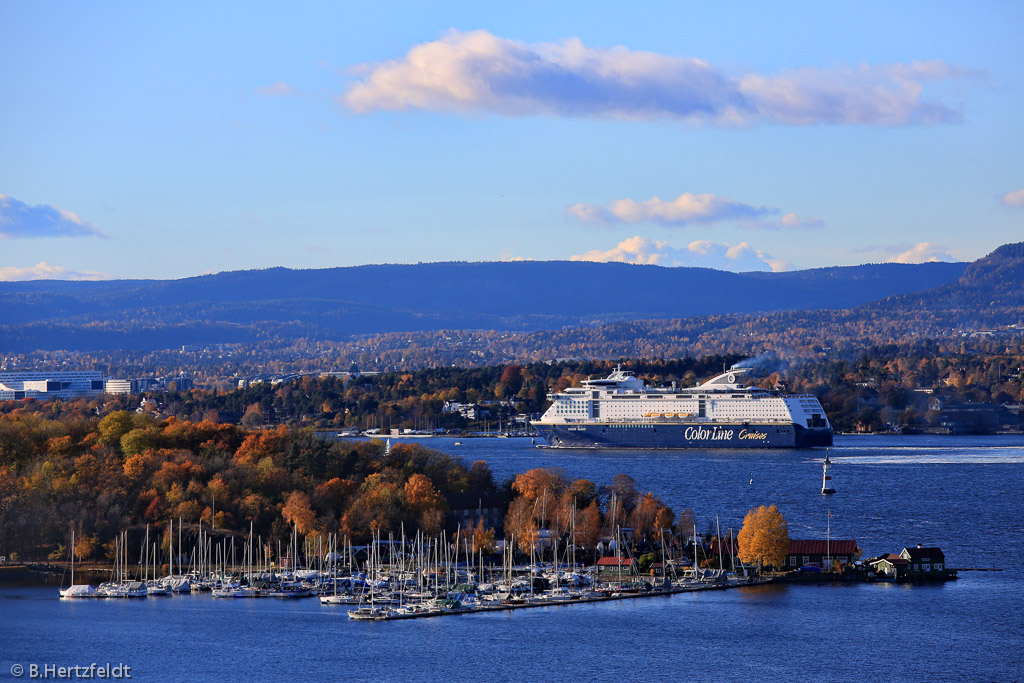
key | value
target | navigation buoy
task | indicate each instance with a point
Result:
(826, 477)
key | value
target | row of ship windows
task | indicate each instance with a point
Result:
(756, 409)
(761, 411)
(692, 402)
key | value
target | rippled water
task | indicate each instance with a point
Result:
(962, 494)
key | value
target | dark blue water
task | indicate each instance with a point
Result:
(962, 494)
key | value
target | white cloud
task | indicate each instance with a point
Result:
(18, 219)
(923, 252)
(701, 253)
(791, 220)
(470, 72)
(887, 94)
(688, 208)
(45, 271)
(1014, 199)
(277, 89)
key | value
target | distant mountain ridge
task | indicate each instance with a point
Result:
(990, 291)
(340, 302)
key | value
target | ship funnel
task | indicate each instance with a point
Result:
(729, 377)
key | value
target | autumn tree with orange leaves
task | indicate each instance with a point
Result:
(541, 483)
(764, 538)
(588, 525)
(481, 538)
(650, 516)
(541, 488)
(424, 501)
(298, 511)
(520, 523)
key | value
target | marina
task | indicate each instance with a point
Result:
(417, 578)
(890, 491)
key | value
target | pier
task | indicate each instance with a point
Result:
(507, 606)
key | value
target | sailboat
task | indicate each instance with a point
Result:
(121, 586)
(153, 585)
(80, 590)
(370, 611)
(175, 583)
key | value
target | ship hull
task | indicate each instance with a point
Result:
(682, 435)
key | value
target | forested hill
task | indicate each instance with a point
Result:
(334, 303)
(990, 291)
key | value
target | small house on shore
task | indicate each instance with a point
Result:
(924, 559)
(609, 567)
(918, 563)
(890, 566)
(821, 553)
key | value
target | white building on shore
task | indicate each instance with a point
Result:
(47, 384)
(118, 386)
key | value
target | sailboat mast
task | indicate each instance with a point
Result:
(718, 532)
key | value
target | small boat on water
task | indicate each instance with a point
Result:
(156, 587)
(368, 613)
(235, 592)
(79, 590)
(177, 584)
(289, 591)
(122, 589)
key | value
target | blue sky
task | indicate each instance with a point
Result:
(144, 140)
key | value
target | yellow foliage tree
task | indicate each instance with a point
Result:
(764, 538)
(588, 525)
(84, 546)
(431, 521)
(136, 465)
(420, 494)
(114, 426)
(297, 511)
(482, 538)
(540, 483)
(520, 524)
(643, 515)
(138, 441)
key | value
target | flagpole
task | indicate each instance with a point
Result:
(828, 539)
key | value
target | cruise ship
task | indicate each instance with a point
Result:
(620, 411)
